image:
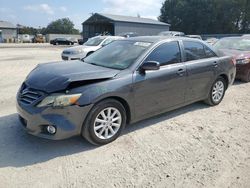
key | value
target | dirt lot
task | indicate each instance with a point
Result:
(196, 146)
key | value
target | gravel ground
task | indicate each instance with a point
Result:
(195, 146)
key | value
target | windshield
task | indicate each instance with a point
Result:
(118, 55)
(241, 44)
(94, 41)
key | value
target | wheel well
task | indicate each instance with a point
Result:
(225, 78)
(125, 105)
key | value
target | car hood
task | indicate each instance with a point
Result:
(57, 76)
(237, 54)
(85, 48)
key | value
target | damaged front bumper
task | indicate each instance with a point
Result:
(68, 121)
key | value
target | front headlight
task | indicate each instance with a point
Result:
(242, 61)
(59, 100)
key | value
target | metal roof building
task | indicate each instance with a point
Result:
(116, 24)
(8, 31)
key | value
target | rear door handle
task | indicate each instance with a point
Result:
(215, 64)
(181, 72)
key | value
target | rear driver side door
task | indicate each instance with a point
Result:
(201, 63)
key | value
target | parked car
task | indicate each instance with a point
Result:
(246, 35)
(123, 82)
(239, 48)
(129, 34)
(26, 38)
(194, 36)
(74, 40)
(172, 33)
(93, 44)
(61, 41)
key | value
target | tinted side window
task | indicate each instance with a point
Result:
(167, 53)
(194, 50)
(209, 52)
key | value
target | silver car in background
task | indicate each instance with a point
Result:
(172, 33)
(194, 36)
(93, 44)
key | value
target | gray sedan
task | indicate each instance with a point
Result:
(124, 82)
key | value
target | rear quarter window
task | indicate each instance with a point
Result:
(194, 50)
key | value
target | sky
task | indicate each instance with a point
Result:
(39, 13)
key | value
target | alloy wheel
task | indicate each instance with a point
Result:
(107, 123)
(218, 91)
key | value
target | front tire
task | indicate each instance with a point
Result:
(104, 122)
(217, 92)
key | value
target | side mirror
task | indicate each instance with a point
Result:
(150, 65)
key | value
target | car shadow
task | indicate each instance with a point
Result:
(19, 149)
(164, 116)
(239, 82)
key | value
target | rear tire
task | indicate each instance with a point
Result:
(217, 92)
(104, 122)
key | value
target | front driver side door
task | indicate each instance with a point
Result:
(156, 91)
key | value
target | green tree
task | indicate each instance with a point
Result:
(28, 30)
(61, 26)
(245, 16)
(206, 16)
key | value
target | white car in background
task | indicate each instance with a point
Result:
(26, 38)
(93, 44)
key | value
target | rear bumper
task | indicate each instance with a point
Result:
(68, 121)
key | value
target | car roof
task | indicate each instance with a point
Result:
(156, 39)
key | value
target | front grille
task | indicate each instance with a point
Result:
(65, 58)
(29, 96)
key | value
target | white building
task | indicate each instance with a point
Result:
(8, 31)
(116, 24)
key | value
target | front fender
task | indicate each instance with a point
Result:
(116, 87)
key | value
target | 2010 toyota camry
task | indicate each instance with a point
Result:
(124, 82)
